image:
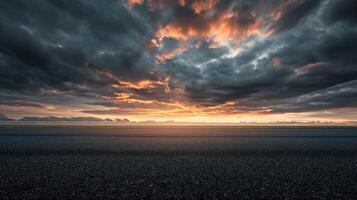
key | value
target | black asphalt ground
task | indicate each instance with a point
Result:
(178, 176)
(56, 167)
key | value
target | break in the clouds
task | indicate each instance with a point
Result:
(194, 60)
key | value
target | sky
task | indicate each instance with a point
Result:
(209, 61)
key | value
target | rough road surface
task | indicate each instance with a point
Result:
(178, 176)
(228, 163)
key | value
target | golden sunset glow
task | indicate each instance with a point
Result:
(178, 99)
(191, 61)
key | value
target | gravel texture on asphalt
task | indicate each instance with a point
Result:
(178, 175)
(178, 163)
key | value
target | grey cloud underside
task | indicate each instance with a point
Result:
(248, 78)
(59, 45)
(341, 10)
(62, 119)
(70, 119)
(5, 118)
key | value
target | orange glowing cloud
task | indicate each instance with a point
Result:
(142, 84)
(145, 84)
(131, 99)
(132, 105)
(139, 85)
(229, 25)
(200, 6)
(220, 26)
(219, 29)
(134, 2)
(122, 96)
(163, 56)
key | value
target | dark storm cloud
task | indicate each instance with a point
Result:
(341, 10)
(21, 104)
(338, 96)
(62, 119)
(61, 44)
(69, 119)
(313, 57)
(75, 52)
(5, 118)
(293, 13)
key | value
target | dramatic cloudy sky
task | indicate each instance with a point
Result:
(182, 60)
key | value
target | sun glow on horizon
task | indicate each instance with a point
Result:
(180, 61)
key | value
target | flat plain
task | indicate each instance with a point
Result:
(178, 163)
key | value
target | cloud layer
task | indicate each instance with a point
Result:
(169, 59)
